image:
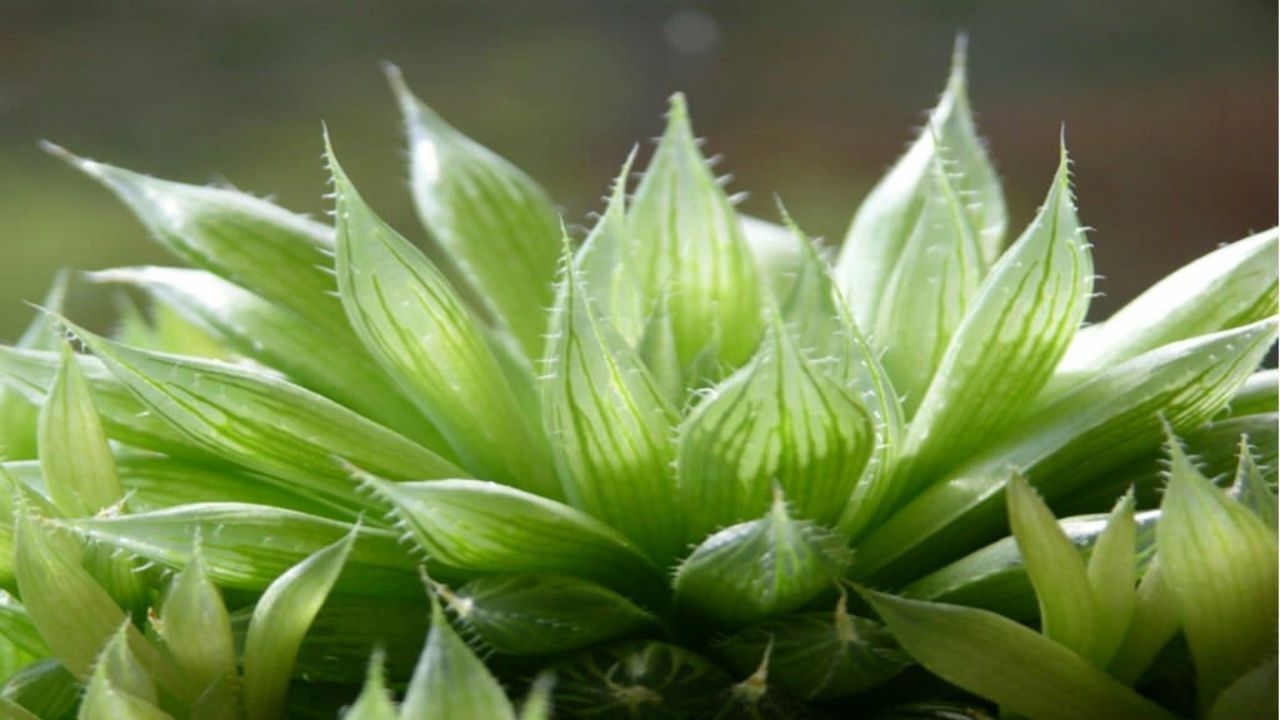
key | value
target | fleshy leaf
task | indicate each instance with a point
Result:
(17, 630)
(44, 688)
(1000, 660)
(281, 339)
(761, 568)
(778, 254)
(543, 614)
(266, 424)
(17, 412)
(249, 546)
(1068, 614)
(280, 620)
(374, 702)
(881, 229)
(649, 679)
(279, 255)
(1219, 560)
(1232, 286)
(818, 656)
(1251, 489)
(1259, 394)
(195, 628)
(537, 705)
(780, 420)
(494, 222)
(687, 244)
(602, 264)
(1099, 425)
(1252, 695)
(611, 425)
(413, 322)
(486, 527)
(122, 670)
(103, 700)
(451, 682)
(1155, 622)
(1012, 337)
(1113, 576)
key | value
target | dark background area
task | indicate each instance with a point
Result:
(1169, 108)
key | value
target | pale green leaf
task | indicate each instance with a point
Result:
(877, 240)
(1250, 488)
(1259, 394)
(1232, 286)
(818, 655)
(104, 699)
(249, 546)
(686, 243)
(494, 222)
(1068, 613)
(117, 664)
(1010, 340)
(1113, 576)
(451, 682)
(761, 568)
(780, 421)
(1007, 663)
(490, 528)
(267, 424)
(195, 628)
(413, 322)
(1100, 425)
(543, 614)
(280, 620)
(17, 412)
(611, 425)
(279, 255)
(281, 339)
(1219, 560)
(17, 630)
(778, 254)
(602, 264)
(1155, 622)
(537, 705)
(1252, 695)
(374, 702)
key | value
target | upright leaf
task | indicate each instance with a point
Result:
(18, 412)
(413, 322)
(494, 222)
(280, 620)
(279, 255)
(602, 264)
(761, 568)
(781, 420)
(1154, 623)
(1113, 576)
(374, 702)
(451, 682)
(1251, 489)
(878, 238)
(687, 244)
(196, 629)
(998, 659)
(1012, 337)
(1219, 560)
(266, 424)
(611, 425)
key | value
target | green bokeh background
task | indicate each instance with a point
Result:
(1169, 108)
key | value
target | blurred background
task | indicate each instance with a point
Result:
(1169, 108)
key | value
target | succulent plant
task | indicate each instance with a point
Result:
(683, 467)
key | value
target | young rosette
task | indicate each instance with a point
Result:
(689, 465)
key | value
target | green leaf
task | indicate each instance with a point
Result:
(1219, 560)
(932, 284)
(124, 418)
(638, 680)
(73, 613)
(818, 655)
(1232, 286)
(496, 224)
(783, 421)
(602, 265)
(1098, 426)
(995, 578)
(1251, 489)
(413, 322)
(1259, 394)
(1113, 576)
(878, 238)
(451, 682)
(1068, 613)
(249, 546)
(778, 253)
(17, 630)
(196, 629)
(543, 614)
(1252, 695)
(348, 627)
(1007, 663)
(279, 338)
(279, 255)
(10, 710)
(374, 702)
(537, 705)
(17, 412)
(761, 568)
(1012, 337)
(687, 245)
(45, 689)
(490, 528)
(611, 425)
(266, 424)
(117, 664)
(1155, 622)
(280, 620)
